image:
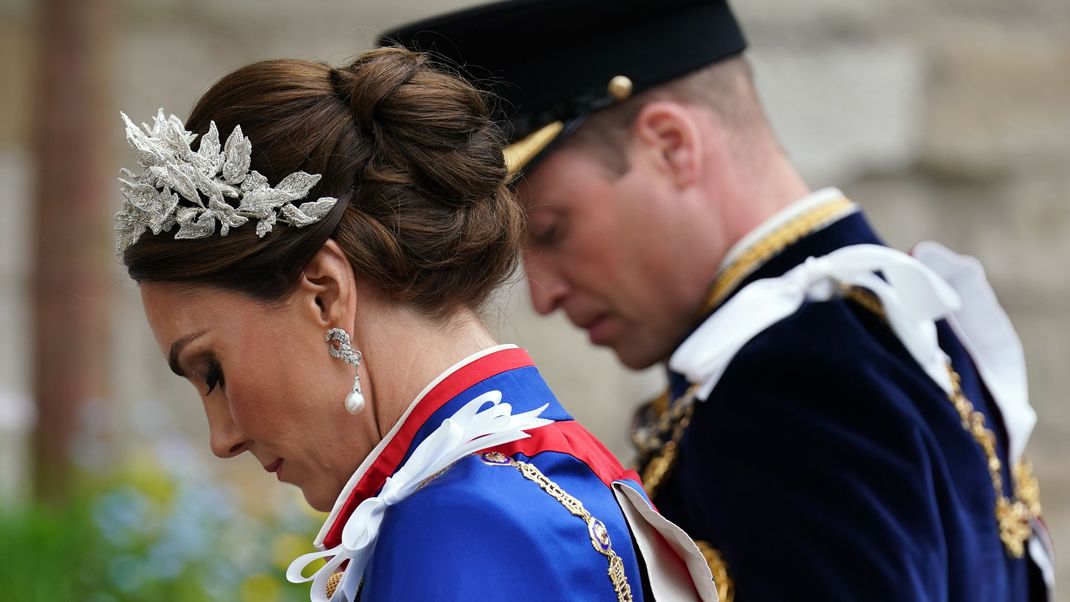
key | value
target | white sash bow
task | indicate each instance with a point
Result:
(466, 432)
(913, 297)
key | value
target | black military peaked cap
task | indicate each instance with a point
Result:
(553, 62)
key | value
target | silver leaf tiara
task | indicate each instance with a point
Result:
(175, 172)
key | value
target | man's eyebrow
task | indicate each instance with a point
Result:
(176, 349)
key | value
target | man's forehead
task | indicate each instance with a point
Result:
(555, 178)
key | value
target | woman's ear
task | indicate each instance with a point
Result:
(667, 134)
(328, 288)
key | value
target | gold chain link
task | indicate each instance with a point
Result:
(1014, 516)
(596, 529)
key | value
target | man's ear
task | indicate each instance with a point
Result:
(327, 288)
(667, 134)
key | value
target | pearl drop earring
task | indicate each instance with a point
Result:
(339, 345)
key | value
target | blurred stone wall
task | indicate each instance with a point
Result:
(945, 119)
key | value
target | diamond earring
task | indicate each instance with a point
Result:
(340, 346)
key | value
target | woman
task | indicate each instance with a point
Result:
(383, 221)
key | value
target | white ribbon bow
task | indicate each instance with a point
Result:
(913, 297)
(466, 432)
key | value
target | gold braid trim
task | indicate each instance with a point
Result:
(596, 529)
(764, 250)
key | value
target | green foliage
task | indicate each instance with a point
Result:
(44, 553)
(162, 535)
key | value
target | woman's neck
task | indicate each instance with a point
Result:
(405, 352)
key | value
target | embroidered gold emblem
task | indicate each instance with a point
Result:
(596, 529)
(726, 590)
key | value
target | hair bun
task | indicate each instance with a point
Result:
(428, 127)
(376, 77)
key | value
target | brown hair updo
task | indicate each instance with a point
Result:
(411, 154)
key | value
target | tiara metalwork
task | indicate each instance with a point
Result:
(204, 179)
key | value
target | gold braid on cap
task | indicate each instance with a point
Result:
(520, 153)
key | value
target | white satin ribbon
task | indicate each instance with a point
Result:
(913, 297)
(467, 431)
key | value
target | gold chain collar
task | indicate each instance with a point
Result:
(1013, 515)
(596, 529)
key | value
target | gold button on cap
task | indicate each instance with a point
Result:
(620, 87)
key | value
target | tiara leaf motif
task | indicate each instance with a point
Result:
(174, 172)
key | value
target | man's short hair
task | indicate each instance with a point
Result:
(726, 88)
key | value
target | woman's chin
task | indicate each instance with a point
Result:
(319, 499)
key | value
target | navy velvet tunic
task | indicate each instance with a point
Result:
(826, 464)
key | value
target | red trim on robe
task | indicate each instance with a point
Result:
(569, 437)
(391, 456)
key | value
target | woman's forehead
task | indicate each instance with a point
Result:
(175, 309)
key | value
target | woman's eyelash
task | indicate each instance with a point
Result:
(214, 377)
(547, 235)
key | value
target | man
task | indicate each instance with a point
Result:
(841, 420)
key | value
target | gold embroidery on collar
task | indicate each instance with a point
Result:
(765, 249)
(726, 590)
(596, 529)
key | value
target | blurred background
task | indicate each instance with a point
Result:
(945, 119)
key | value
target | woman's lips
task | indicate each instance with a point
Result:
(274, 466)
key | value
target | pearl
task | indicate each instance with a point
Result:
(354, 402)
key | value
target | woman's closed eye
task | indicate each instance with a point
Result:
(546, 234)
